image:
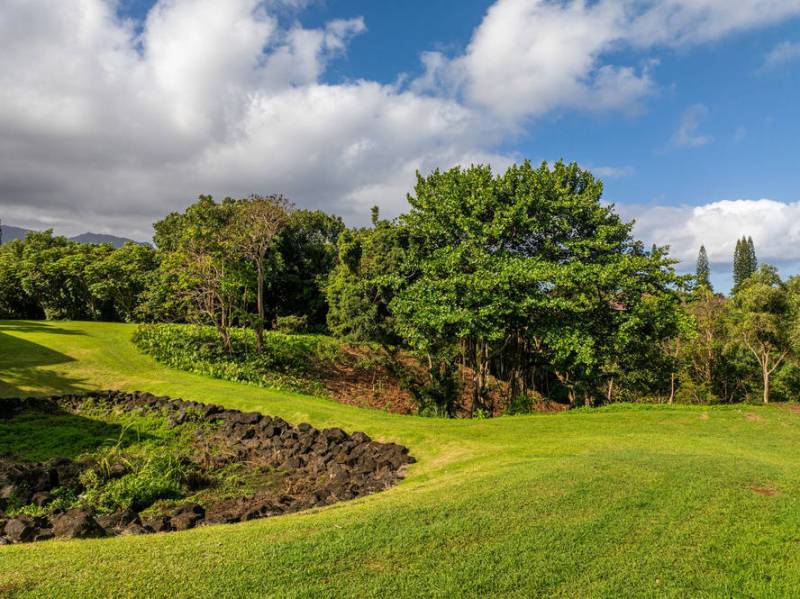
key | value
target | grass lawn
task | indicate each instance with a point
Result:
(622, 501)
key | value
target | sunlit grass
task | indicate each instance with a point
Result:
(624, 501)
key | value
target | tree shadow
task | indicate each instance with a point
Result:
(40, 434)
(34, 326)
(21, 363)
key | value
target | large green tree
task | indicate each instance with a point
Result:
(121, 277)
(304, 257)
(526, 267)
(367, 276)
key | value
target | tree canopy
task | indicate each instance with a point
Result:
(502, 289)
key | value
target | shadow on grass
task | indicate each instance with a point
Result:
(21, 363)
(33, 326)
(38, 435)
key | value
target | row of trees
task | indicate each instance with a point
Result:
(745, 264)
(50, 277)
(732, 348)
(506, 287)
(235, 263)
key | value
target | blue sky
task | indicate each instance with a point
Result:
(752, 112)
(686, 109)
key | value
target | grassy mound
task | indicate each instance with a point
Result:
(671, 502)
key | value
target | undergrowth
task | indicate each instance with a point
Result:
(289, 362)
(137, 462)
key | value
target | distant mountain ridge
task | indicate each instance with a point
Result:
(11, 232)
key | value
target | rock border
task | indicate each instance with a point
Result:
(322, 467)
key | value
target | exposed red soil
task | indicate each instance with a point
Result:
(768, 491)
(362, 379)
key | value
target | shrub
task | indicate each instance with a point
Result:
(292, 324)
(288, 362)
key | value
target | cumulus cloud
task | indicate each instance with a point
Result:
(688, 133)
(103, 125)
(774, 227)
(108, 124)
(529, 57)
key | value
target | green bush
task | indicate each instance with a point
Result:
(288, 362)
(292, 324)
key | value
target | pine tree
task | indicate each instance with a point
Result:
(752, 261)
(745, 263)
(703, 272)
(738, 265)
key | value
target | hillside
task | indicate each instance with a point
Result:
(619, 501)
(102, 238)
(10, 232)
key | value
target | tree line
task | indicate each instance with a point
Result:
(508, 288)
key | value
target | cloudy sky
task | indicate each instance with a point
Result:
(115, 112)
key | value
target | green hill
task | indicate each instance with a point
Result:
(620, 501)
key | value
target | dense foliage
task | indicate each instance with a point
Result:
(506, 288)
(516, 284)
(47, 276)
(289, 362)
(243, 263)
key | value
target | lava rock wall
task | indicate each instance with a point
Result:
(321, 467)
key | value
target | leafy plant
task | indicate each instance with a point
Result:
(289, 362)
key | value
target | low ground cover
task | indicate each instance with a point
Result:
(621, 501)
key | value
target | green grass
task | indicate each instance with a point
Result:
(624, 501)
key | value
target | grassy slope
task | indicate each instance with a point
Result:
(617, 502)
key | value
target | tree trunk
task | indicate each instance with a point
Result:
(765, 370)
(224, 333)
(260, 302)
(610, 395)
(671, 388)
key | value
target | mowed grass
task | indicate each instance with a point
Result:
(618, 502)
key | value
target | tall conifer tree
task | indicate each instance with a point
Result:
(703, 271)
(752, 261)
(745, 263)
(738, 265)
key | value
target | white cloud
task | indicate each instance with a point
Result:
(683, 22)
(774, 227)
(784, 53)
(109, 124)
(101, 126)
(529, 57)
(688, 133)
